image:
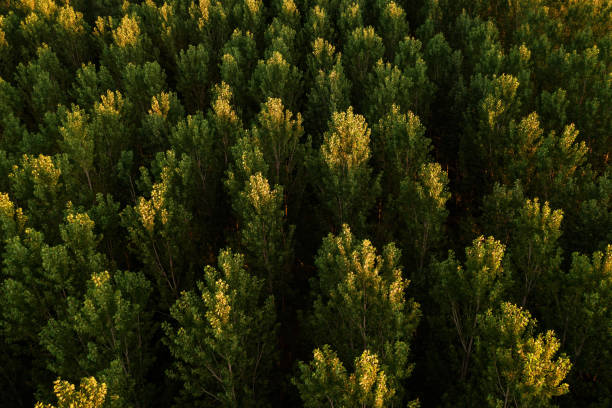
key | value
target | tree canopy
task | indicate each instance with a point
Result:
(355, 203)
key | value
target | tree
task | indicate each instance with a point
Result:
(41, 82)
(331, 89)
(276, 78)
(362, 293)
(531, 231)
(122, 44)
(37, 185)
(534, 249)
(224, 120)
(108, 123)
(263, 231)
(279, 136)
(465, 292)
(107, 333)
(90, 83)
(196, 142)
(193, 77)
(400, 147)
(414, 209)
(362, 51)
(410, 59)
(393, 26)
(486, 126)
(160, 230)
(519, 369)
(584, 307)
(224, 345)
(79, 142)
(325, 382)
(141, 84)
(261, 209)
(348, 189)
(39, 276)
(236, 68)
(319, 23)
(12, 127)
(281, 37)
(349, 17)
(422, 207)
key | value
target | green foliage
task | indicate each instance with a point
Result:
(30, 299)
(279, 134)
(263, 231)
(487, 125)
(419, 90)
(237, 65)
(534, 250)
(282, 38)
(146, 136)
(393, 25)
(531, 231)
(159, 227)
(276, 78)
(37, 184)
(400, 146)
(141, 83)
(90, 83)
(78, 142)
(418, 190)
(41, 82)
(224, 119)
(331, 89)
(272, 149)
(360, 305)
(362, 51)
(585, 303)
(348, 187)
(108, 334)
(422, 207)
(518, 368)
(318, 24)
(465, 292)
(325, 382)
(224, 345)
(193, 77)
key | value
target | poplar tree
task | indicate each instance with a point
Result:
(414, 209)
(325, 382)
(279, 135)
(361, 307)
(224, 340)
(261, 209)
(348, 188)
(108, 333)
(518, 367)
(274, 77)
(584, 301)
(145, 136)
(236, 68)
(464, 292)
(160, 230)
(531, 231)
(193, 79)
(331, 88)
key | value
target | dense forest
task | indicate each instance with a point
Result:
(318, 203)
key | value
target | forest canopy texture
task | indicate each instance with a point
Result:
(318, 203)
